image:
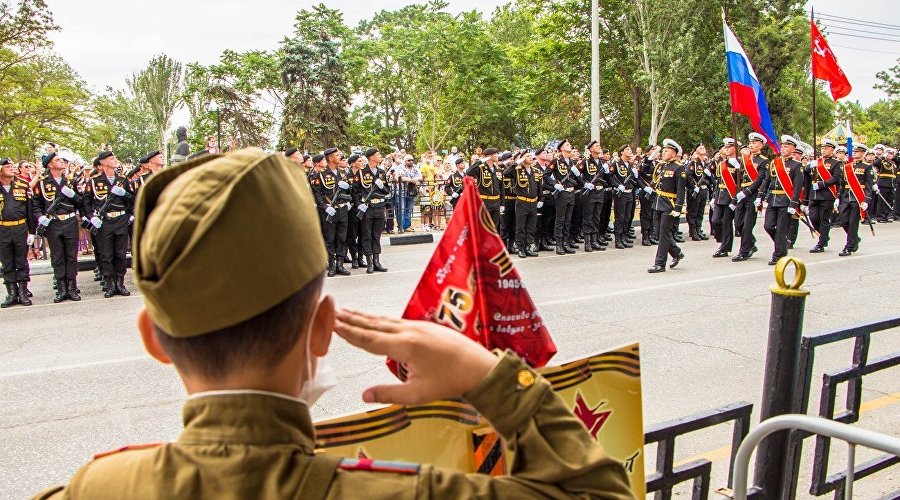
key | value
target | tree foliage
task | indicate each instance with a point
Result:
(158, 86)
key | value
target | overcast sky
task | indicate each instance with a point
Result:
(107, 40)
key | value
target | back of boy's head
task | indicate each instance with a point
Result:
(229, 256)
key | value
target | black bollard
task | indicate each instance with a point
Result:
(782, 354)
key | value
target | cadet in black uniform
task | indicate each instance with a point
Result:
(565, 179)
(527, 188)
(593, 197)
(647, 196)
(748, 199)
(454, 186)
(332, 194)
(373, 189)
(699, 175)
(16, 234)
(606, 209)
(107, 206)
(850, 207)
(508, 220)
(724, 204)
(547, 211)
(354, 165)
(489, 178)
(670, 189)
(782, 200)
(55, 208)
(621, 179)
(883, 198)
(822, 191)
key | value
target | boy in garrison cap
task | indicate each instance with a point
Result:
(254, 363)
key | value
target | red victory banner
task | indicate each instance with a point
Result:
(471, 285)
(825, 66)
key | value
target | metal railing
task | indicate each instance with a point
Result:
(816, 425)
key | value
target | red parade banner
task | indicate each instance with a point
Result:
(472, 286)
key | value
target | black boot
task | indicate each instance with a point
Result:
(97, 276)
(619, 243)
(110, 287)
(61, 291)
(531, 251)
(339, 267)
(331, 266)
(23, 294)
(27, 291)
(522, 253)
(72, 290)
(378, 266)
(353, 260)
(587, 245)
(569, 247)
(120, 287)
(360, 260)
(370, 264)
(12, 295)
(560, 250)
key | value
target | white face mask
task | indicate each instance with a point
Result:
(319, 378)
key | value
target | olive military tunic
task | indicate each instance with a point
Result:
(246, 444)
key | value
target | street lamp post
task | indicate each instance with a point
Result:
(595, 70)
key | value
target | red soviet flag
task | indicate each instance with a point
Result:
(825, 66)
(471, 285)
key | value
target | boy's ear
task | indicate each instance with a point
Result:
(148, 337)
(322, 327)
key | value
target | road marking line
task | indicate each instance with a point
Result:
(73, 366)
(671, 284)
(725, 451)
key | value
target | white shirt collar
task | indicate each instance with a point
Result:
(233, 392)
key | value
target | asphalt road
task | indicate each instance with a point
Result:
(74, 379)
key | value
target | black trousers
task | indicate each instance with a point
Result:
(508, 221)
(335, 232)
(777, 225)
(606, 211)
(95, 243)
(623, 206)
(696, 204)
(565, 203)
(820, 212)
(526, 223)
(723, 218)
(849, 218)
(14, 253)
(667, 244)
(592, 213)
(371, 227)
(882, 210)
(744, 222)
(493, 208)
(646, 216)
(113, 240)
(576, 225)
(547, 218)
(353, 232)
(62, 237)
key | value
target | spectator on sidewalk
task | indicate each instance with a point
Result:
(409, 177)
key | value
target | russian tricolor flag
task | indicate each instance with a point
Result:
(747, 96)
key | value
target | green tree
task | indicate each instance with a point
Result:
(123, 121)
(159, 86)
(889, 80)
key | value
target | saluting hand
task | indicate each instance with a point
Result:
(441, 363)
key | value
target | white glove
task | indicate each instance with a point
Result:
(836, 203)
(864, 206)
(740, 196)
(96, 222)
(130, 219)
(455, 195)
(330, 211)
(734, 163)
(813, 164)
(44, 221)
(635, 172)
(654, 154)
(804, 209)
(379, 183)
(576, 172)
(620, 188)
(732, 206)
(606, 168)
(29, 240)
(696, 189)
(675, 213)
(792, 210)
(757, 202)
(540, 204)
(875, 188)
(69, 192)
(558, 187)
(502, 210)
(588, 186)
(816, 186)
(343, 185)
(648, 189)
(118, 191)
(707, 172)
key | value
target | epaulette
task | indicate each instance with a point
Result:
(130, 447)
(96, 173)
(367, 464)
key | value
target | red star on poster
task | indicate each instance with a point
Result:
(592, 419)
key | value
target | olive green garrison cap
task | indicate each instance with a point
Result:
(221, 239)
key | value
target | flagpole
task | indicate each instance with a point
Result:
(812, 81)
(733, 115)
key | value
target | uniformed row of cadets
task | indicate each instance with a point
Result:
(102, 200)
